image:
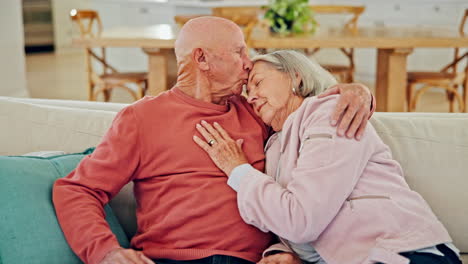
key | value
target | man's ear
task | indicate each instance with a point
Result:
(199, 57)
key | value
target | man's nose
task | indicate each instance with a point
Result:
(247, 63)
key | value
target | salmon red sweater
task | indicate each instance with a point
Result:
(185, 208)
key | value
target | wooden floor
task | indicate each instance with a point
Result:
(62, 76)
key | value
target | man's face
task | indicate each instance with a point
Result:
(231, 65)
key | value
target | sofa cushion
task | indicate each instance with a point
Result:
(89, 105)
(31, 127)
(433, 152)
(124, 207)
(28, 225)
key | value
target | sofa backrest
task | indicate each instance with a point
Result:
(432, 149)
(433, 152)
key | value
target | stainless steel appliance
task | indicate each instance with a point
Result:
(38, 25)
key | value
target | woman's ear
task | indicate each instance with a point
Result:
(297, 80)
(199, 57)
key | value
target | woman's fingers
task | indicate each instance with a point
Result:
(226, 153)
(221, 131)
(240, 142)
(200, 142)
(357, 121)
(206, 135)
(213, 132)
(362, 128)
(348, 117)
(339, 111)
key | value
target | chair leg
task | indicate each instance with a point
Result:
(409, 96)
(97, 90)
(447, 93)
(350, 77)
(91, 92)
(456, 95)
(123, 86)
(107, 94)
(451, 98)
(141, 91)
(343, 77)
(465, 94)
(145, 86)
(417, 96)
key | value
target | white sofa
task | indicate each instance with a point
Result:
(432, 149)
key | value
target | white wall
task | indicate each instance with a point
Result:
(12, 60)
(63, 25)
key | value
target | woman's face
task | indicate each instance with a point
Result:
(269, 91)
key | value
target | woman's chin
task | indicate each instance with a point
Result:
(266, 121)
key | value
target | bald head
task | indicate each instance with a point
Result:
(207, 33)
(212, 59)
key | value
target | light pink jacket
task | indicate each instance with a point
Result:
(348, 198)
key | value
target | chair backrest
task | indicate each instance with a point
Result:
(350, 25)
(85, 20)
(241, 15)
(461, 28)
(457, 58)
(355, 11)
(462, 32)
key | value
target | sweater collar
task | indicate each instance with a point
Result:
(199, 103)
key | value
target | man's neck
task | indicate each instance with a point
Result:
(200, 89)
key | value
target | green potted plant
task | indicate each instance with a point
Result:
(290, 16)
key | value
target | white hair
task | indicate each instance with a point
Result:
(314, 78)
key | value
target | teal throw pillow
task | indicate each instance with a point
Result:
(29, 230)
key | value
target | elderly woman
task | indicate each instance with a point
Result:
(329, 199)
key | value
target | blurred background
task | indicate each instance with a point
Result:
(39, 60)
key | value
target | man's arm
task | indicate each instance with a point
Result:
(354, 108)
(79, 198)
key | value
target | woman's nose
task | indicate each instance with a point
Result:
(251, 99)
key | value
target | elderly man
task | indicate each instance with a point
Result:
(186, 212)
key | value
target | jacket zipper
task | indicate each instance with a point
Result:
(351, 199)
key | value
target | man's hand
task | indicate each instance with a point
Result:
(281, 258)
(126, 256)
(353, 108)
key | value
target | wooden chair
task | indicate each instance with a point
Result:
(244, 16)
(345, 73)
(448, 78)
(110, 78)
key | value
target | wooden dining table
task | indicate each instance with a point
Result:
(393, 45)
